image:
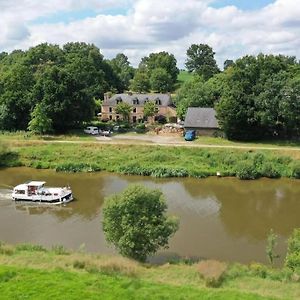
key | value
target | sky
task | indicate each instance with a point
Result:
(233, 28)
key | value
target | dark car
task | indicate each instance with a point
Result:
(190, 135)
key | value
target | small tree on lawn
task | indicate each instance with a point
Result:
(124, 109)
(135, 222)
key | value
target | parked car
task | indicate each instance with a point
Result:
(105, 132)
(92, 130)
(190, 135)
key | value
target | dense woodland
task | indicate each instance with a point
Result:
(53, 89)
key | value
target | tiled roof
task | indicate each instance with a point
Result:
(165, 99)
(201, 117)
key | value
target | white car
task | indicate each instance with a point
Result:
(92, 130)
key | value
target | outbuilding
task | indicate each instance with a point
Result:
(201, 119)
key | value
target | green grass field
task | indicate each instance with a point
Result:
(32, 272)
(161, 161)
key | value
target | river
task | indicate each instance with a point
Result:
(220, 218)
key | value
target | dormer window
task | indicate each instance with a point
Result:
(157, 101)
(119, 100)
(135, 101)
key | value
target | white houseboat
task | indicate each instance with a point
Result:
(35, 191)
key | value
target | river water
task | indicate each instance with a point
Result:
(220, 218)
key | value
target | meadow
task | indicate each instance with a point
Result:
(33, 272)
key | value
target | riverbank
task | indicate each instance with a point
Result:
(155, 161)
(37, 273)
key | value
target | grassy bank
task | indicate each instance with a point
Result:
(156, 161)
(32, 272)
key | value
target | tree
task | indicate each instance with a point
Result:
(124, 109)
(123, 70)
(150, 108)
(160, 80)
(135, 222)
(140, 82)
(252, 102)
(228, 63)
(162, 60)
(200, 59)
(199, 93)
(40, 123)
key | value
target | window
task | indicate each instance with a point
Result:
(157, 101)
(135, 101)
(119, 100)
(110, 109)
(110, 117)
(134, 110)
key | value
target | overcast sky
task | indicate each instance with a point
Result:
(138, 27)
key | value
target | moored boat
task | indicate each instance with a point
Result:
(35, 191)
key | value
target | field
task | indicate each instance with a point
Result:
(32, 272)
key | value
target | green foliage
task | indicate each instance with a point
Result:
(161, 81)
(200, 59)
(135, 222)
(59, 250)
(30, 248)
(260, 98)
(246, 170)
(292, 259)
(271, 245)
(123, 70)
(55, 84)
(124, 109)
(193, 93)
(296, 169)
(140, 83)
(150, 109)
(39, 122)
(161, 60)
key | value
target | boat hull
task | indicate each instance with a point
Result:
(44, 199)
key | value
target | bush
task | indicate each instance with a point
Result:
(135, 222)
(292, 259)
(246, 170)
(269, 171)
(59, 250)
(31, 248)
(296, 170)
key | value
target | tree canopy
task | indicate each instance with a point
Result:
(135, 222)
(200, 59)
(59, 84)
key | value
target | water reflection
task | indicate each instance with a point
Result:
(220, 218)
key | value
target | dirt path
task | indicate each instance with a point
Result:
(174, 141)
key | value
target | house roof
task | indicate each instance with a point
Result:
(201, 117)
(165, 99)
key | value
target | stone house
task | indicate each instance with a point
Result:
(165, 106)
(201, 119)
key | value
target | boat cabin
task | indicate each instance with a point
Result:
(30, 188)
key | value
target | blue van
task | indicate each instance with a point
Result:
(190, 135)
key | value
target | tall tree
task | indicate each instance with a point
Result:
(200, 59)
(163, 60)
(124, 71)
(140, 82)
(160, 80)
